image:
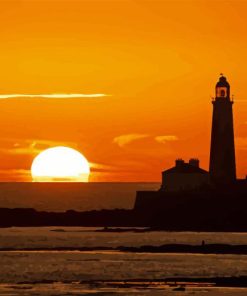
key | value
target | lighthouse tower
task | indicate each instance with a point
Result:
(222, 167)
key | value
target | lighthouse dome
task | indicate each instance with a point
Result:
(222, 82)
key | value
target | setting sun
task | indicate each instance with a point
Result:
(60, 164)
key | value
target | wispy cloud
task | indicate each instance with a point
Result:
(15, 175)
(100, 167)
(165, 139)
(30, 146)
(50, 96)
(128, 138)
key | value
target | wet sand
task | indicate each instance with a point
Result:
(123, 288)
(71, 261)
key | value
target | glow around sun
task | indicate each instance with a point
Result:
(60, 164)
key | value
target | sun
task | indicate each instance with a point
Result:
(60, 164)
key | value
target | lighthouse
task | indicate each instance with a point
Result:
(222, 167)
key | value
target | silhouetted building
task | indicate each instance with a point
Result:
(222, 155)
(191, 198)
(184, 176)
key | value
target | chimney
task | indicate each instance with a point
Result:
(194, 162)
(179, 162)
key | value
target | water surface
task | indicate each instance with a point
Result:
(111, 272)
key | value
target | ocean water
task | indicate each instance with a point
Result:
(65, 196)
(94, 272)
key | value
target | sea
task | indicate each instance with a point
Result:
(58, 196)
(33, 262)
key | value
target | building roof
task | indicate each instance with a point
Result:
(185, 168)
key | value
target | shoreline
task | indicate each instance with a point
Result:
(204, 249)
(172, 282)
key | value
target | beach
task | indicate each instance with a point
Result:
(111, 272)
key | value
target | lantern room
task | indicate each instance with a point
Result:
(222, 88)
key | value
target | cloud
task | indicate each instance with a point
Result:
(128, 138)
(100, 167)
(30, 146)
(50, 96)
(165, 139)
(15, 175)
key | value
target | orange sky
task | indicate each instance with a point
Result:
(157, 60)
